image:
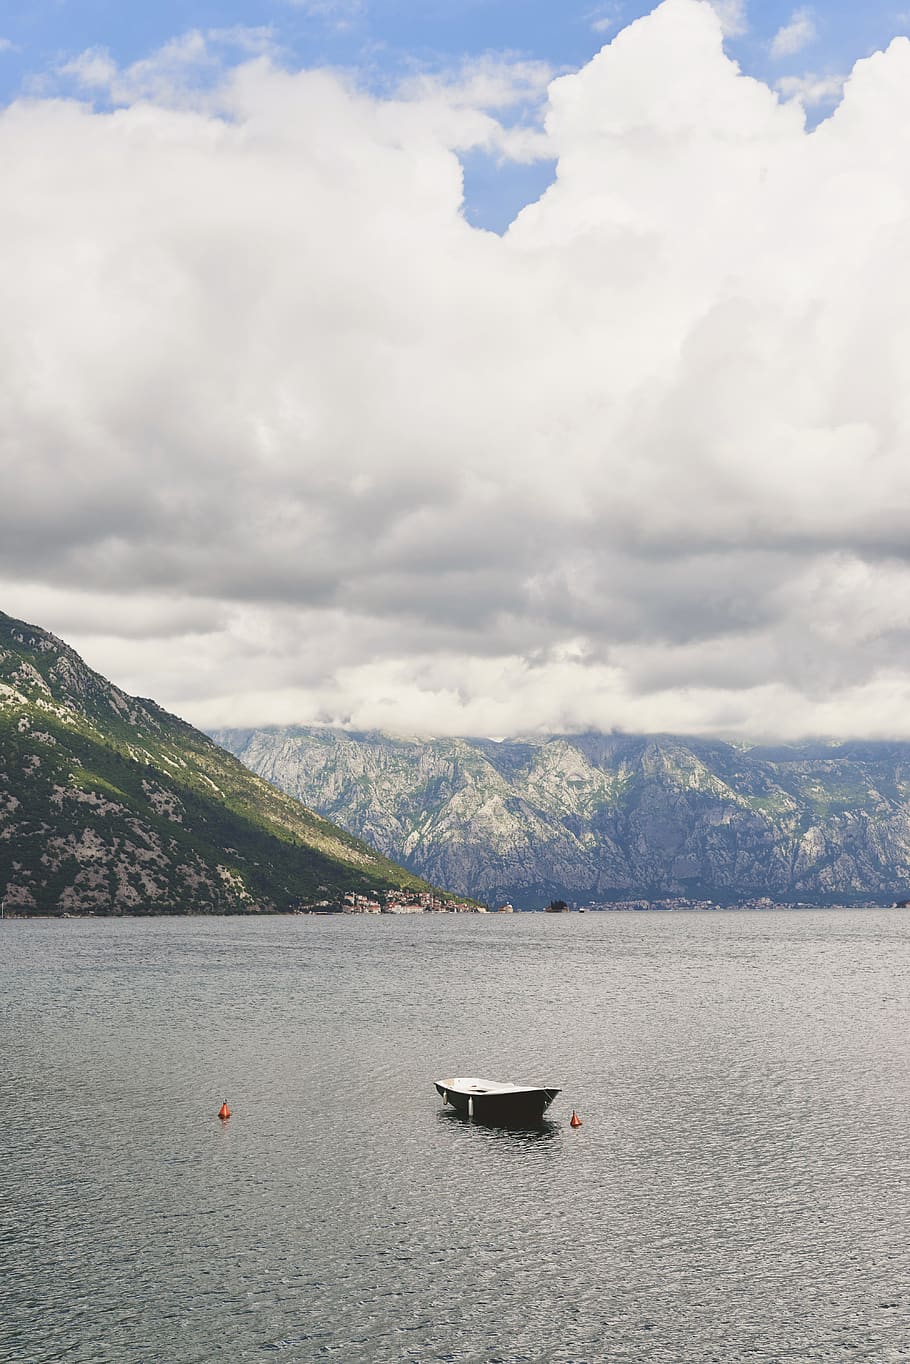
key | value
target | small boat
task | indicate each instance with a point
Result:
(494, 1100)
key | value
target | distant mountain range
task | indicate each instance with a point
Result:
(108, 804)
(610, 817)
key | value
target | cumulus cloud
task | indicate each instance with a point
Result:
(794, 36)
(285, 438)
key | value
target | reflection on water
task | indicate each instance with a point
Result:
(739, 1189)
(531, 1132)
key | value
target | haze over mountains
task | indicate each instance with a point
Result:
(108, 804)
(610, 817)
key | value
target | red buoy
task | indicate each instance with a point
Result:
(575, 1120)
(224, 1111)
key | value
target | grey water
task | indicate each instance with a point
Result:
(739, 1189)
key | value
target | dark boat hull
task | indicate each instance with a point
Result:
(525, 1106)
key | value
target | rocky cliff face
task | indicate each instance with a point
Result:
(606, 817)
(110, 805)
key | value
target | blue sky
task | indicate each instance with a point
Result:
(384, 40)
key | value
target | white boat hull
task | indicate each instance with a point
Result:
(495, 1101)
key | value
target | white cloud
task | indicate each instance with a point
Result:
(257, 40)
(483, 83)
(335, 13)
(794, 36)
(175, 72)
(604, 18)
(460, 106)
(285, 438)
(93, 69)
(7, 45)
(811, 90)
(491, 104)
(732, 15)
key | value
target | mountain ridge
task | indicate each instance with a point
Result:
(605, 817)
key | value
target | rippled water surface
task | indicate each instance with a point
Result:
(740, 1188)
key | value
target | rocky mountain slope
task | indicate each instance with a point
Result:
(608, 817)
(108, 804)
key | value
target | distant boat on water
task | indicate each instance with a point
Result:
(496, 1101)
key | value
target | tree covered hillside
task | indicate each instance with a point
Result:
(108, 804)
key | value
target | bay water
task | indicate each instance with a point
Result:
(739, 1189)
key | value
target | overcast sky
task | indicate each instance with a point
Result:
(476, 367)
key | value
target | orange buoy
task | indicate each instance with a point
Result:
(224, 1111)
(575, 1120)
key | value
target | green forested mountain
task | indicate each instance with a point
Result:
(611, 817)
(108, 804)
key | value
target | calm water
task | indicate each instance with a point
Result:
(740, 1189)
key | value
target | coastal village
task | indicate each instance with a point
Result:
(408, 902)
(429, 903)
